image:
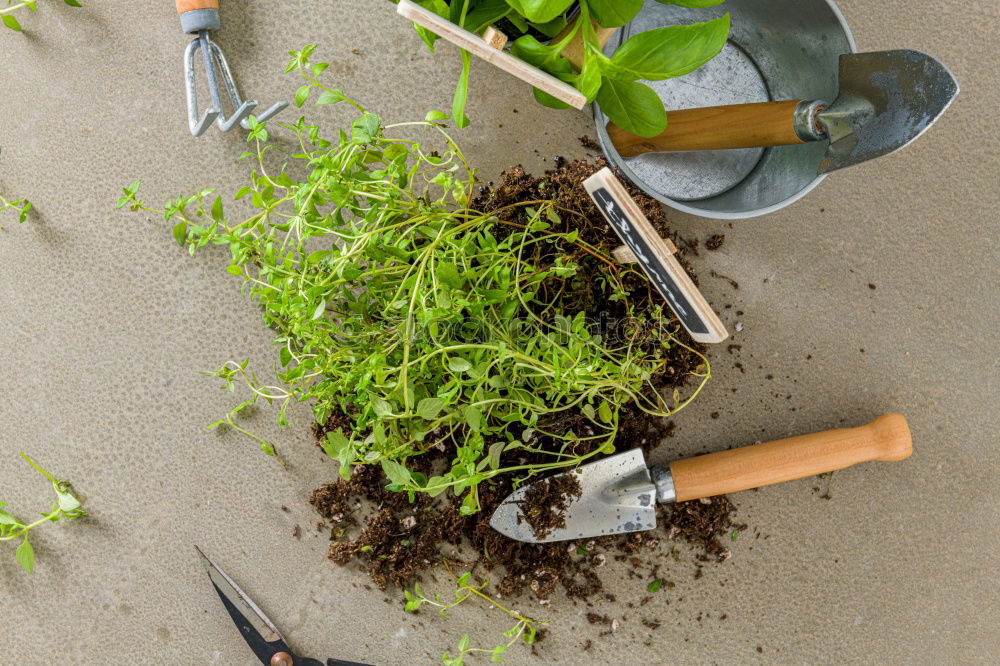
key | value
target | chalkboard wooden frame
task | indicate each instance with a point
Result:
(656, 256)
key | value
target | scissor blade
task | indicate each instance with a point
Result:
(257, 630)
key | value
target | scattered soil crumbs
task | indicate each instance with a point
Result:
(397, 542)
(544, 505)
(715, 242)
(702, 523)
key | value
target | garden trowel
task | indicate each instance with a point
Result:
(619, 493)
(887, 99)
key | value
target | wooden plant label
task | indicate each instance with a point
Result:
(656, 256)
(480, 48)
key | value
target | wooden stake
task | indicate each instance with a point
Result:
(656, 256)
(477, 46)
(495, 38)
(574, 50)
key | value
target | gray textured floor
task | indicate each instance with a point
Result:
(104, 323)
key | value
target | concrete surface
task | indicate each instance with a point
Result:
(105, 323)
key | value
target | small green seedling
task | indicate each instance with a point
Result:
(66, 505)
(7, 13)
(22, 206)
(524, 630)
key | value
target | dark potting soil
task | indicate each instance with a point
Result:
(396, 541)
(544, 505)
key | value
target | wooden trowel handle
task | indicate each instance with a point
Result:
(885, 438)
(720, 127)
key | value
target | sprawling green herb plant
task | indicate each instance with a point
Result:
(613, 82)
(425, 322)
(66, 505)
(7, 13)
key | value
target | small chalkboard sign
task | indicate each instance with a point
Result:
(656, 256)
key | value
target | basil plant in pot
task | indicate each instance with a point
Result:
(545, 32)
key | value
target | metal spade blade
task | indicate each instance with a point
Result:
(887, 99)
(617, 496)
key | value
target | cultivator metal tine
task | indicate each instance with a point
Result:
(198, 18)
(197, 123)
(271, 111)
(243, 107)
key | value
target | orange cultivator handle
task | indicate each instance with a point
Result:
(190, 5)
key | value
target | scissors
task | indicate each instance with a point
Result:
(257, 630)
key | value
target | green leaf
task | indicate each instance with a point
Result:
(540, 11)
(434, 116)
(334, 444)
(669, 52)
(614, 13)
(694, 4)
(302, 94)
(494, 456)
(11, 23)
(655, 585)
(67, 502)
(448, 273)
(73, 3)
(381, 407)
(458, 364)
(217, 209)
(8, 519)
(365, 128)
(429, 408)
(341, 449)
(396, 473)
(546, 56)
(331, 97)
(320, 309)
(473, 417)
(461, 93)
(25, 555)
(484, 13)
(470, 504)
(635, 107)
(604, 411)
(180, 232)
(589, 80)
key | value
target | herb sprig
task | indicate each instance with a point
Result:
(614, 82)
(22, 206)
(7, 13)
(524, 630)
(66, 506)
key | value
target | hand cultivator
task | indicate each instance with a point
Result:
(200, 17)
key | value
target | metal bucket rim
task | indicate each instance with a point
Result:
(618, 162)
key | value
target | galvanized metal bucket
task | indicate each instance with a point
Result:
(777, 50)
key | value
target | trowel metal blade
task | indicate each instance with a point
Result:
(617, 496)
(887, 99)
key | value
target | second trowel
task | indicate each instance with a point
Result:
(619, 493)
(886, 100)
